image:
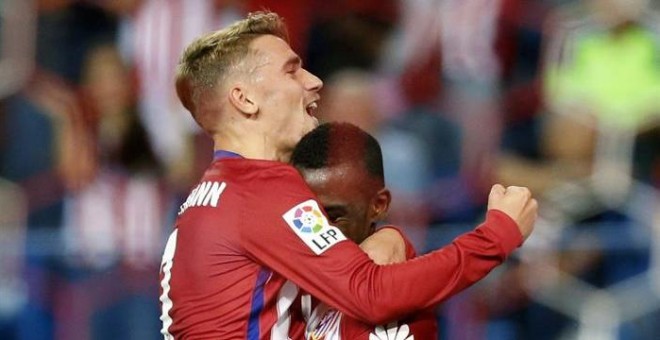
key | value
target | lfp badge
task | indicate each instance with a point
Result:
(308, 222)
(307, 219)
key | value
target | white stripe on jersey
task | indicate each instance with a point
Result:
(166, 302)
(285, 299)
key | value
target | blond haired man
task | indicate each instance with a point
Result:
(251, 232)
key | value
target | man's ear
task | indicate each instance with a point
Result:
(380, 204)
(241, 99)
(185, 93)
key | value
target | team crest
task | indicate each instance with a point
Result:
(328, 328)
(308, 222)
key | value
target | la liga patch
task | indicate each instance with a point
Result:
(308, 222)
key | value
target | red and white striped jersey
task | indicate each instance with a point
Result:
(116, 218)
(251, 226)
(325, 323)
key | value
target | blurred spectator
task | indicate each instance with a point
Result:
(33, 122)
(350, 97)
(600, 81)
(602, 78)
(118, 206)
(601, 73)
(601, 87)
(117, 210)
(460, 63)
(465, 33)
(647, 156)
(66, 29)
(348, 34)
(605, 64)
(13, 291)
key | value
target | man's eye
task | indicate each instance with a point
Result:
(336, 219)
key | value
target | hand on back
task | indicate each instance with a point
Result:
(385, 246)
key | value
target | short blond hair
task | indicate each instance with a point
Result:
(210, 57)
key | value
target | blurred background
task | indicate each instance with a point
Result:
(96, 153)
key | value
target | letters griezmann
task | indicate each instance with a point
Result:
(204, 194)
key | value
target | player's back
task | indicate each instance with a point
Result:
(211, 287)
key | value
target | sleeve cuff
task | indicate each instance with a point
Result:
(505, 228)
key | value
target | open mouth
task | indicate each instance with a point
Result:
(311, 108)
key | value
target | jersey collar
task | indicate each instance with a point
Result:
(224, 154)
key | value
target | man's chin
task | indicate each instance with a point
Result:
(311, 126)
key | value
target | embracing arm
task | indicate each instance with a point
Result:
(343, 276)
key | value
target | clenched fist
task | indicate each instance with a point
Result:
(517, 202)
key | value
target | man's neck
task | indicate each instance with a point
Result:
(251, 150)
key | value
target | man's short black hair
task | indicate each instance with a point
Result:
(335, 143)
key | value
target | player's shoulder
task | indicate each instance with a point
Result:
(267, 179)
(253, 171)
(265, 168)
(273, 170)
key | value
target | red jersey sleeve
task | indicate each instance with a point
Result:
(285, 230)
(420, 325)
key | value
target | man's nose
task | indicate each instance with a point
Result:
(312, 82)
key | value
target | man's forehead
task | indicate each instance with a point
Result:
(331, 185)
(345, 172)
(316, 176)
(271, 49)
